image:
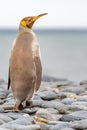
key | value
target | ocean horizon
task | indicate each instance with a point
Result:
(63, 51)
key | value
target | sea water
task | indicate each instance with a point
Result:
(63, 52)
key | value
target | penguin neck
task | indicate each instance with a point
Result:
(23, 29)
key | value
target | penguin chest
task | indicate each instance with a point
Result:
(36, 49)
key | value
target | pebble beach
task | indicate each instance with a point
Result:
(60, 104)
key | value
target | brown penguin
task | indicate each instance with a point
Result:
(25, 69)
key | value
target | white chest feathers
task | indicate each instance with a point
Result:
(36, 48)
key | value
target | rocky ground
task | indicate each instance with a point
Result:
(58, 105)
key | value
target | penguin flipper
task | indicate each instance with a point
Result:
(9, 78)
(38, 72)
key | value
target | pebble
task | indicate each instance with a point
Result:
(73, 107)
(48, 95)
(53, 111)
(30, 110)
(67, 129)
(54, 104)
(50, 104)
(14, 115)
(2, 81)
(78, 115)
(24, 120)
(4, 129)
(44, 113)
(84, 82)
(60, 126)
(21, 127)
(74, 89)
(82, 98)
(63, 95)
(80, 103)
(59, 104)
(1, 121)
(80, 125)
(48, 79)
(68, 101)
(5, 118)
(36, 97)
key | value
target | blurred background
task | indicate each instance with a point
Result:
(62, 35)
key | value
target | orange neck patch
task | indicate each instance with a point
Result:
(23, 23)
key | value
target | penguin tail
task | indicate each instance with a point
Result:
(9, 79)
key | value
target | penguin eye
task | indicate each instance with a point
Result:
(29, 20)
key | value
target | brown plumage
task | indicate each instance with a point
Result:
(25, 69)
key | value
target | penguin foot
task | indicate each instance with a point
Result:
(17, 107)
(20, 107)
(29, 104)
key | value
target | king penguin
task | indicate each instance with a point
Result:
(25, 69)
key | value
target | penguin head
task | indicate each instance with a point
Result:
(28, 22)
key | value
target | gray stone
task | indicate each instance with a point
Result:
(43, 88)
(1, 122)
(44, 113)
(76, 107)
(47, 95)
(84, 82)
(1, 101)
(2, 81)
(14, 115)
(36, 97)
(3, 94)
(68, 101)
(60, 107)
(21, 127)
(75, 89)
(56, 126)
(59, 126)
(30, 110)
(52, 111)
(46, 78)
(54, 104)
(74, 116)
(63, 83)
(8, 105)
(5, 118)
(62, 95)
(55, 122)
(80, 103)
(44, 127)
(80, 125)
(9, 99)
(10, 95)
(24, 120)
(82, 98)
(4, 129)
(67, 129)
(37, 103)
(59, 83)
(1, 109)
(3, 86)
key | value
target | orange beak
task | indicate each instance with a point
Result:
(37, 17)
